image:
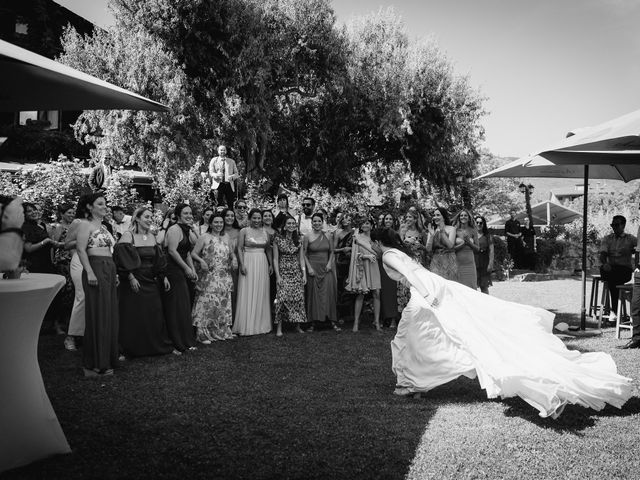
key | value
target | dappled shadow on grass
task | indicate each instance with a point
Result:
(305, 406)
(574, 419)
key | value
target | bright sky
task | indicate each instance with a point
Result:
(546, 66)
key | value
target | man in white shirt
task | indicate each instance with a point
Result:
(304, 219)
(121, 222)
(224, 173)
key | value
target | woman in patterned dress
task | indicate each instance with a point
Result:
(466, 246)
(212, 315)
(441, 240)
(291, 277)
(414, 238)
(62, 261)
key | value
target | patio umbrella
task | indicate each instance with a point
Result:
(545, 213)
(32, 82)
(610, 150)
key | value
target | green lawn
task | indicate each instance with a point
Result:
(319, 406)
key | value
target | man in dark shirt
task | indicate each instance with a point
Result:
(514, 238)
(616, 258)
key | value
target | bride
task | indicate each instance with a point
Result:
(448, 330)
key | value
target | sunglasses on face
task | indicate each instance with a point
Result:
(242, 208)
(307, 204)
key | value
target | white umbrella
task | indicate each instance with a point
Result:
(610, 150)
(32, 82)
(545, 213)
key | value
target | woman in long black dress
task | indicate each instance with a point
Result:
(141, 265)
(389, 287)
(484, 256)
(177, 303)
(528, 244)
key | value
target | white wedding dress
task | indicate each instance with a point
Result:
(508, 346)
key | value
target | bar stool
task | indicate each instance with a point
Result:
(593, 300)
(604, 305)
(624, 321)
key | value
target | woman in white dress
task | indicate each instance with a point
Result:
(448, 330)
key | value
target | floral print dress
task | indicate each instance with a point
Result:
(212, 310)
(290, 293)
(415, 245)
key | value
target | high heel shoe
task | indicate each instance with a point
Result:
(377, 325)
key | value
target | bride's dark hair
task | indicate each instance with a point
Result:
(389, 238)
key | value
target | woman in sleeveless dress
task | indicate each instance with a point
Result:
(253, 313)
(141, 265)
(342, 242)
(388, 286)
(99, 282)
(231, 233)
(267, 224)
(177, 301)
(466, 246)
(364, 275)
(321, 282)
(448, 330)
(441, 241)
(290, 270)
(212, 314)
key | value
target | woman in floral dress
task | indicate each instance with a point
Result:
(413, 237)
(211, 314)
(288, 262)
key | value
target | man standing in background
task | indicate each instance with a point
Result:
(224, 173)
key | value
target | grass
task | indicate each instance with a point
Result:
(319, 406)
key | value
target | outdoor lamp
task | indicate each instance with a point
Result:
(523, 188)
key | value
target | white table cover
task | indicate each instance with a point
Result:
(29, 428)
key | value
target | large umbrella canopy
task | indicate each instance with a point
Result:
(545, 213)
(32, 82)
(610, 150)
(616, 165)
(621, 133)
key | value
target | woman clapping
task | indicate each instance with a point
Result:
(288, 261)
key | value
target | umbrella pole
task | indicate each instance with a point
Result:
(583, 309)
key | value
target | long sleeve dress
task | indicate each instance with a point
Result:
(508, 346)
(142, 326)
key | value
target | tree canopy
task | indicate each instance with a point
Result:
(294, 96)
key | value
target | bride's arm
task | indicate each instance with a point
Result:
(408, 269)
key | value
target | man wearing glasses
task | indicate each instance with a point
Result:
(242, 213)
(304, 219)
(616, 259)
